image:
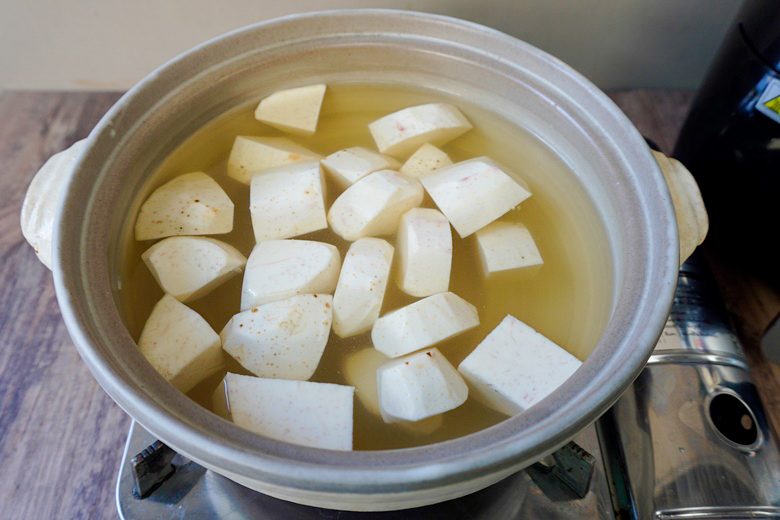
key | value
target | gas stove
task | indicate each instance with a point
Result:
(688, 439)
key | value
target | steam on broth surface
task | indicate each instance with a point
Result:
(567, 301)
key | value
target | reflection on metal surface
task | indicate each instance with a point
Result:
(686, 357)
(698, 322)
(723, 513)
(689, 438)
(193, 493)
(675, 456)
(616, 467)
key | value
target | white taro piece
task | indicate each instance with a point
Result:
(425, 160)
(252, 154)
(374, 205)
(473, 193)
(190, 267)
(278, 269)
(295, 110)
(287, 201)
(402, 132)
(349, 165)
(359, 370)
(419, 386)
(422, 324)
(424, 242)
(190, 204)
(507, 246)
(318, 415)
(284, 339)
(180, 344)
(361, 286)
(515, 367)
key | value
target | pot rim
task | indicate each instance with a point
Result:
(221, 444)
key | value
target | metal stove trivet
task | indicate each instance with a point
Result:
(688, 440)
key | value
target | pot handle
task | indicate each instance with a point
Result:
(41, 201)
(692, 221)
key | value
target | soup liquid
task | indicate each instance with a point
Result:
(567, 301)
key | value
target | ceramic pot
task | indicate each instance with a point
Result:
(101, 186)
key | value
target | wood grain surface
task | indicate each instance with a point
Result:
(61, 437)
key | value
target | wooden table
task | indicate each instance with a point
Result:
(61, 437)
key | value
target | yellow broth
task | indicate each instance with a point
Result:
(567, 301)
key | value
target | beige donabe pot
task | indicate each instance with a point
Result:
(102, 183)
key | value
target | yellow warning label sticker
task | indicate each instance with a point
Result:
(769, 101)
(773, 105)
